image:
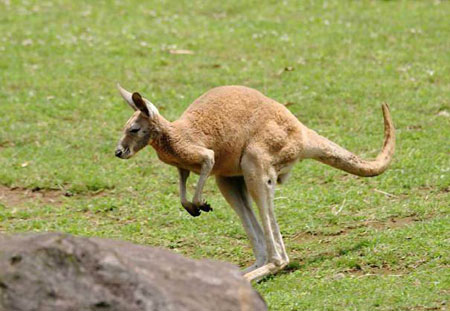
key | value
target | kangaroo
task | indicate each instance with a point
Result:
(250, 143)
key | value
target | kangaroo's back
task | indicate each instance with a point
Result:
(226, 119)
(235, 110)
(237, 102)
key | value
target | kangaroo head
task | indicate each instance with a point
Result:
(140, 129)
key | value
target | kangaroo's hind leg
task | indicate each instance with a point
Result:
(260, 178)
(235, 192)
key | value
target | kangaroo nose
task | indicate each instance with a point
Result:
(118, 153)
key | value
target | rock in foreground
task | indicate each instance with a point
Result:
(48, 272)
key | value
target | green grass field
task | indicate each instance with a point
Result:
(355, 244)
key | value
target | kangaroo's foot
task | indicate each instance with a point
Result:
(269, 268)
(192, 209)
(205, 207)
(253, 267)
(195, 209)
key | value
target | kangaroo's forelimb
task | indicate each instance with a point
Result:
(206, 167)
(188, 206)
(197, 204)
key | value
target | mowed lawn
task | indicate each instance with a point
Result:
(355, 243)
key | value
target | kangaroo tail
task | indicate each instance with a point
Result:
(324, 150)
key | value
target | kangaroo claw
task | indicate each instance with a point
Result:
(206, 207)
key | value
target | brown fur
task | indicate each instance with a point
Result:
(234, 131)
(203, 125)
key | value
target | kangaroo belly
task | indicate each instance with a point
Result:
(227, 162)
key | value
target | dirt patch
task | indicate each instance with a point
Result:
(16, 196)
(6, 144)
(392, 223)
(370, 272)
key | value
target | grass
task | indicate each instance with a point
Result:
(332, 62)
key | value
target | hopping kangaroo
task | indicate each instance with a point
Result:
(249, 142)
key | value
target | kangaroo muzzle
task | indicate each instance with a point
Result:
(122, 152)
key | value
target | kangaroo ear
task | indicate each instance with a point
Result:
(137, 102)
(140, 103)
(127, 97)
(144, 105)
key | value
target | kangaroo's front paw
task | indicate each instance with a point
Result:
(192, 209)
(205, 207)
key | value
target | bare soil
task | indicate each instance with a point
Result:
(16, 196)
(392, 223)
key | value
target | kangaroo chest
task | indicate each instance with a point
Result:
(172, 160)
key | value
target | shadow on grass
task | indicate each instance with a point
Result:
(302, 265)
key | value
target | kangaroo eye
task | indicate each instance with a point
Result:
(134, 130)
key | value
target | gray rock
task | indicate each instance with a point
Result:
(59, 272)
